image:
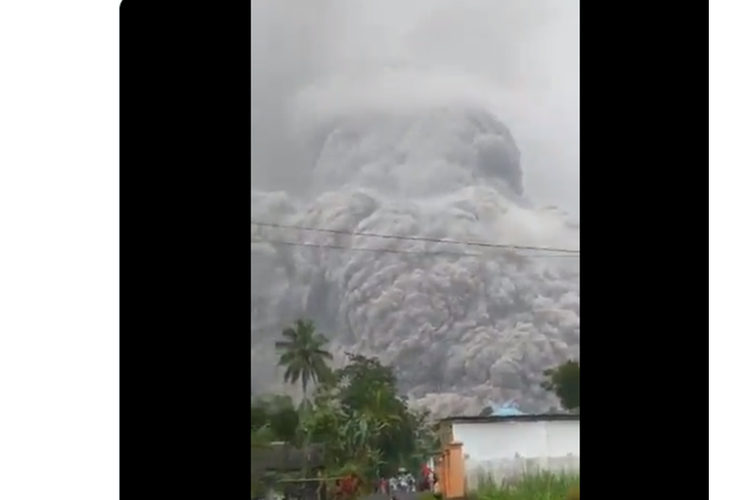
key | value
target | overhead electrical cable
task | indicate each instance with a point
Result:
(504, 246)
(401, 251)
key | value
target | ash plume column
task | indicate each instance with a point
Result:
(383, 126)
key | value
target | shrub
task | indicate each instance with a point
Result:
(540, 486)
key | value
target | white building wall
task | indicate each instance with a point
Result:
(504, 449)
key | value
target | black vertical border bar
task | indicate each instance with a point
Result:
(185, 250)
(644, 120)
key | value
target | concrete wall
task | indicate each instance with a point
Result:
(503, 450)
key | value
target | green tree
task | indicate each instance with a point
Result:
(285, 423)
(564, 382)
(258, 417)
(303, 355)
(355, 414)
(276, 416)
(368, 391)
(360, 377)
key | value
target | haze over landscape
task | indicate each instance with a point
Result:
(427, 119)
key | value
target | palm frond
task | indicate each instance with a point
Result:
(323, 353)
(290, 333)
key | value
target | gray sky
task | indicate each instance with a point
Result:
(517, 58)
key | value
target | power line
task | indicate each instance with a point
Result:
(418, 238)
(394, 250)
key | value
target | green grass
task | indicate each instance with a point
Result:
(541, 486)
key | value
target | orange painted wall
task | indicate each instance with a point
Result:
(451, 472)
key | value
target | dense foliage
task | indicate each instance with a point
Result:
(354, 412)
(564, 381)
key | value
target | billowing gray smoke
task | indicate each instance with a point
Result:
(465, 325)
(479, 326)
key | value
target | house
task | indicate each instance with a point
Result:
(503, 446)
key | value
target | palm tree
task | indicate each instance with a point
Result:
(303, 355)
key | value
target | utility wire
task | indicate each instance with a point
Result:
(394, 250)
(417, 238)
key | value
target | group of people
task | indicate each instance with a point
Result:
(350, 487)
(405, 481)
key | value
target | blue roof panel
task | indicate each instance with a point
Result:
(506, 410)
